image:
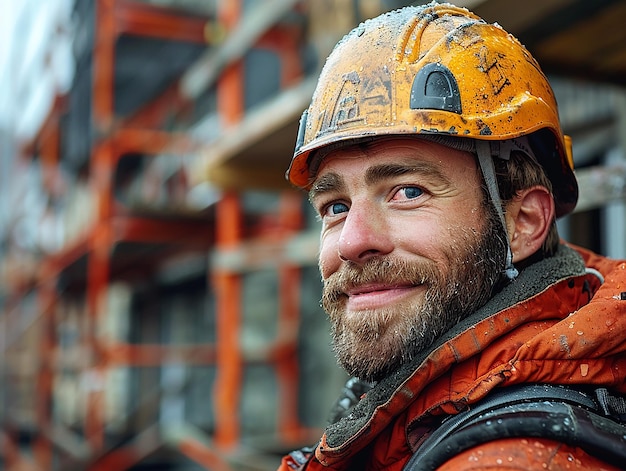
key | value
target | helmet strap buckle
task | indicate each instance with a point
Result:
(484, 152)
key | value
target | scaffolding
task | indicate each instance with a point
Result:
(112, 124)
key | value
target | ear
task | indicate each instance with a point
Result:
(528, 218)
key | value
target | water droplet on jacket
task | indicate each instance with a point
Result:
(584, 369)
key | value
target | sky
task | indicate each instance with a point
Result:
(6, 39)
(35, 60)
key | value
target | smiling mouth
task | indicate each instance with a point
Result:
(377, 288)
(377, 296)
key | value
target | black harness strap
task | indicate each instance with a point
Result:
(558, 413)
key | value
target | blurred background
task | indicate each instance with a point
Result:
(159, 294)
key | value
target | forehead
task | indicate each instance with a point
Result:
(400, 150)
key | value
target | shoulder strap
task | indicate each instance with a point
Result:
(536, 410)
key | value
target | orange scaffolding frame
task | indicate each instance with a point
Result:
(141, 133)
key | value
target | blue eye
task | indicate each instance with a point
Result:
(337, 208)
(408, 193)
(412, 192)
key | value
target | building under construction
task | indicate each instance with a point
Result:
(159, 290)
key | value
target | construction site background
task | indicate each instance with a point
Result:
(159, 291)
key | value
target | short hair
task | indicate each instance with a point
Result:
(519, 173)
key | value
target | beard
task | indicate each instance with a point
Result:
(375, 342)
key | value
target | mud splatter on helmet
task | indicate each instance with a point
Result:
(435, 70)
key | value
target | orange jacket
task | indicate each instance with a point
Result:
(557, 323)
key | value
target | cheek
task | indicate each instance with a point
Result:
(329, 256)
(436, 236)
(475, 219)
(421, 235)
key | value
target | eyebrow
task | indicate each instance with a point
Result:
(326, 183)
(377, 173)
(383, 172)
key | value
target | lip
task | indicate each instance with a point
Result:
(378, 295)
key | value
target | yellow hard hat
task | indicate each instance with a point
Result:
(434, 70)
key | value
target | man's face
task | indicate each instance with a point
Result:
(407, 248)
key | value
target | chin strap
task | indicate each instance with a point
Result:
(483, 150)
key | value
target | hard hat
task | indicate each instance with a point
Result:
(434, 70)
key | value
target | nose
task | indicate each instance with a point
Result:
(365, 234)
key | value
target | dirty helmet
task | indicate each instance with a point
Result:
(437, 72)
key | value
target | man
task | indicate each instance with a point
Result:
(433, 154)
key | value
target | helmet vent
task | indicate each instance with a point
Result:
(435, 88)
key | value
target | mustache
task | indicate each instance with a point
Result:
(388, 271)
